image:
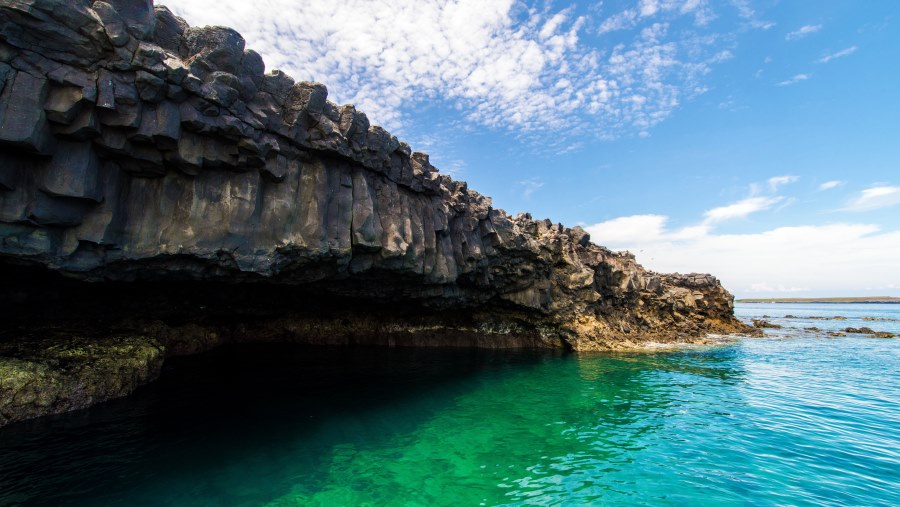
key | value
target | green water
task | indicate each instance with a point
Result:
(689, 428)
(804, 421)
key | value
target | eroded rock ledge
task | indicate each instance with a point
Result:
(161, 171)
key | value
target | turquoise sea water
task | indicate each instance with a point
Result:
(803, 420)
(797, 318)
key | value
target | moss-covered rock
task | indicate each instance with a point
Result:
(54, 374)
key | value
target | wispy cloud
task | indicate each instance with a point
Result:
(501, 64)
(839, 54)
(794, 80)
(629, 18)
(455, 168)
(740, 209)
(777, 181)
(873, 198)
(828, 185)
(530, 186)
(802, 32)
(747, 12)
(622, 21)
(634, 229)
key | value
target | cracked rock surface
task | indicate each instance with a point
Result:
(136, 149)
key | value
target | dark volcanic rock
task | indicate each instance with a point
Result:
(859, 330)
(764, 324)
(136, 150)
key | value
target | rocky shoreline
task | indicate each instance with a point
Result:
(160, 192)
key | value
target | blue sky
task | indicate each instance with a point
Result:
(756, 140)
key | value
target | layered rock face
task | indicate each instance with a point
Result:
(139, 150)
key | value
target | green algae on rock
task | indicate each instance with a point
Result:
(51, 375)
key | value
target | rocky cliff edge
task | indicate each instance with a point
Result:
(157, 168)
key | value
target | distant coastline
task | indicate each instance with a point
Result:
(864, 299)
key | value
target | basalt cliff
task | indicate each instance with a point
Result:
(160, 194)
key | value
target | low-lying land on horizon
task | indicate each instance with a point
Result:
(863, 299)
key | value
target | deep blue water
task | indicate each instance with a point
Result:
(805, 420)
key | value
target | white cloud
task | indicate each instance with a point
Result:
(826, 258)
(802, 32)
(795, 79)
(744, 9)
(624, 20)
(828, 185)
(530, 186)
(777, 181)
(498, 62)
(627, 230)
(649, 7)
(454, 167)
(747, 12)
(843, 52)
(872, 198)
(740, 209)
(629, 18)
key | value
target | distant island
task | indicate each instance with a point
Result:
(864, 299)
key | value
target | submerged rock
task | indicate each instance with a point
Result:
(139, 153)
(764, 324)
(869, 331)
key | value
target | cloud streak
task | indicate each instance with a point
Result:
(794, 80)
(740, 209)
(530, 186)
(802, 32)
(839, 54)
(777, 181)
(872, 198)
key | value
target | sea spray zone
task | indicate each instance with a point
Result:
(158, 186)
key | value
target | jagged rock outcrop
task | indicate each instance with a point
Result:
(138, 149)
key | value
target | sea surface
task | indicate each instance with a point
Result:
(796, 418)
